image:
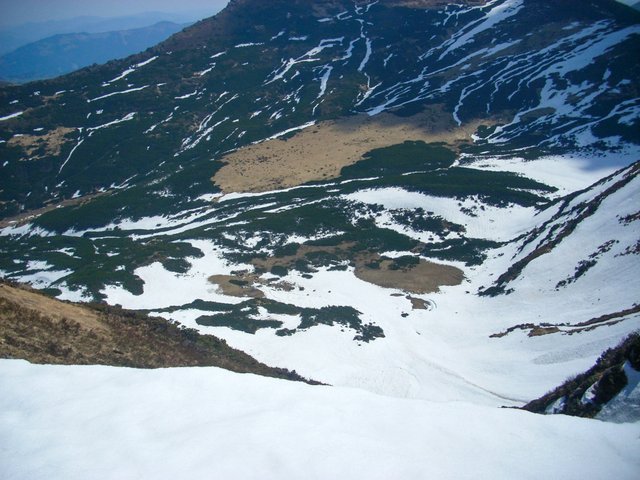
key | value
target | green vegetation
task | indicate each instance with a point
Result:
(405, 157)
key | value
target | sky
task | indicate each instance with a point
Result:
(16, 12)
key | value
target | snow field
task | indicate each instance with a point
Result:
(105, 423)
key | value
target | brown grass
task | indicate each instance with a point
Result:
(425, 277)
(321, 151)
(40, 329)
(50, 143)
(237, 285)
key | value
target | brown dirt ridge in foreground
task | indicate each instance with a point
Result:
(321, 151)
(40, 329)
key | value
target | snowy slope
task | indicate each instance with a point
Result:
(106, 423)
(463, 346)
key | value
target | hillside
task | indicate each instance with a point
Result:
(39, 329)
(64, 53)
(607, 391)
(432, 207)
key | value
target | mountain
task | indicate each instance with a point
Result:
(65, 53)
(14, 37)
(636, 5)
(432, 202)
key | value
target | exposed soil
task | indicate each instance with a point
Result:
(536, 330)
(425, 277)
(418, 277)
(418, 303)
(237, 285)
(40, 329)
(321, 151)
(50, 143)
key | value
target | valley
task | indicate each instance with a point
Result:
(430, 208)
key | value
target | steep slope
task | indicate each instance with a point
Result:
(187, 423)
(417, 198)
(262, 68)
(607, 391)
(37, 328)
(64, 53)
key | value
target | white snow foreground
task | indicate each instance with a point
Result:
(62, 422)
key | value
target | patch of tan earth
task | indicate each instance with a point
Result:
(321, 151)
(55, 309)
(50, 144)
(419, 303)
(341, 251)
(237, 285)
(423, 277)
(44, 330)
(418, 277)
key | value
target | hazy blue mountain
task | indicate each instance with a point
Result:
(65, 53)
(12, 38)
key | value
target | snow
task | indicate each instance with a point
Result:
(146, 62)
(126, 118)
(117, 93)
(367, 55)
(248, 44)
(290, 130)
(567, 173)
(163, 288)
(187, 95)
(122, 75)
(70, 155)
(130, 70)
(326, 73)
(43, 274)
(206, 70)
(625, 407)
(309, 56)
(73, 295)
(9, 117)
(496, 15)
(102, 423)
(499, 224)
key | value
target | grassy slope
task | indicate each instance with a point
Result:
(39, 329)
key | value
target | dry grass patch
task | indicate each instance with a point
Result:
(55, 309)
(410, 274)
(49, 144)
(240, 285)
(423, 277)
(321, 151)
(40, 329)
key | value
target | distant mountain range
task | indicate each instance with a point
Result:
(60, 54)
(18, 36)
